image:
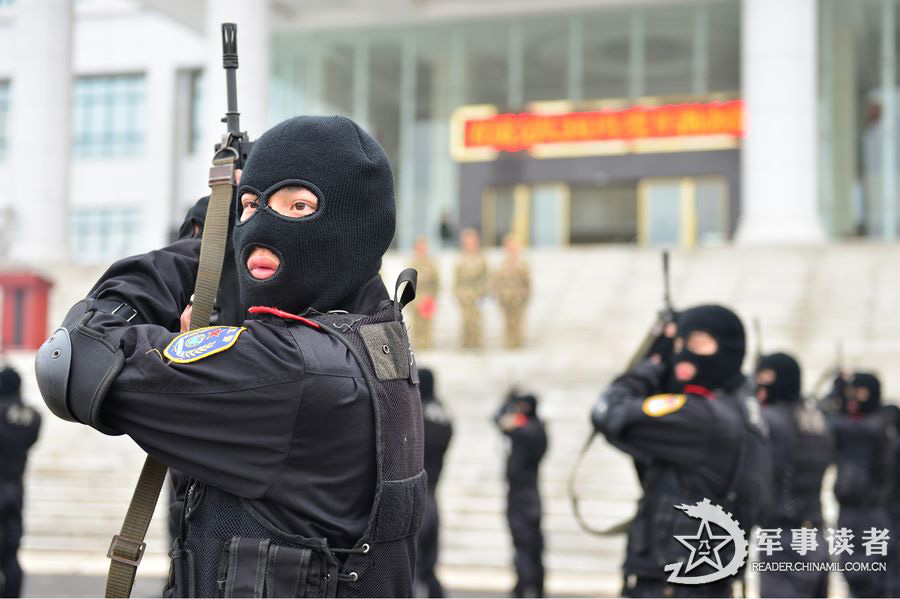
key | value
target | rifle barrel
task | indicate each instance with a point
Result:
(230, 64)
(667, 299)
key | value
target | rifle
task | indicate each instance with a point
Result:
(645, 349)
(127, 547)
(830, 373)
(757, 330)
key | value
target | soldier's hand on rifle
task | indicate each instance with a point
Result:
(662, 348)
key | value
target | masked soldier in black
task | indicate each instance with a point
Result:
(865, 441)
(302, 433)
(518, 420)
(438, 431)
(707, 441)
(19, 428)
(802, 448)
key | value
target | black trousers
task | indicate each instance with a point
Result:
(427, 549)
(657, 587)
(523, 512)
(10, 536)
(859, 519)
(794, 584)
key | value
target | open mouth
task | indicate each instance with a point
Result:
(262, 266)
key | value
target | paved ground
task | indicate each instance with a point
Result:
(83, 586)
(92, 586)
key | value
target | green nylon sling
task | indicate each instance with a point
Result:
(127, 547)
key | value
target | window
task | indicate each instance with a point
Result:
(4, 117)
(108, 116)
(99, 234)
(6, 3)
(196, 112)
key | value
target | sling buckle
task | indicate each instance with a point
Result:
(115, 545)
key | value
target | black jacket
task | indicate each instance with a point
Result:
(686, 447)
(283, 420)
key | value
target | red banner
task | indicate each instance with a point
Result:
(515, 132)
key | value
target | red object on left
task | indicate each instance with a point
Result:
(25, 303)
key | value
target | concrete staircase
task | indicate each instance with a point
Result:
(590, 308)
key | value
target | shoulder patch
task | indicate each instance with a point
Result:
(201, 343)
(660, 405)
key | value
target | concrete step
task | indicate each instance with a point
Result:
(590, 308)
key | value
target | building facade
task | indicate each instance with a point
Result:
(688, 122)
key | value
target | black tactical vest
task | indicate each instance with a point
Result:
(864, 454)
(798, 493)
(227, 549)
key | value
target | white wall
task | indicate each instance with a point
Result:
(144, 42)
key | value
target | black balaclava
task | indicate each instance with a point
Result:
(426, 384)
(721, 370)
(786, 386)
(328, 256)
(869, 382)
(10, 383)
(530, 401)
(196, 216)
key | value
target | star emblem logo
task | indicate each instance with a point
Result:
(704, 546)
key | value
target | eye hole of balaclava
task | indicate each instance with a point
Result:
(722, 368)
(777, 378)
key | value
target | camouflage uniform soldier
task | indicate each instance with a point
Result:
(511, 285)
(426, 294)
(470, 285)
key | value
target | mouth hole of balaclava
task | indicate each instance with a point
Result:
(245, 257)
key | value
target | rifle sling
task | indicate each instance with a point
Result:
(615, 529)
(127, 548)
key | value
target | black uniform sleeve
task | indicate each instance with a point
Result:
(157, 284)
(226, 419)
(679, 433)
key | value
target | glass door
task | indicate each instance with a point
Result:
(549, 214)
(537, 214)
(683, 211)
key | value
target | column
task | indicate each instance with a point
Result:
(161, 93)
(406, 185)
(779, 168)
(40, 130)
(253, 40)
(889, 120)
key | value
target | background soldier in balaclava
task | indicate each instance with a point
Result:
(438, 431)
(427, 287)
(511, 285)
(19, 427)
(274, 421)
(802, 448)
(702, 442)
(518, 420)
(865, 443)
(470, 285)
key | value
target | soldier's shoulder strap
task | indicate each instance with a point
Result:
(127, 548)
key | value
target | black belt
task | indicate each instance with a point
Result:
(119, 308)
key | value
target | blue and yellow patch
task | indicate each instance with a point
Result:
(660, 405)
(201, 343)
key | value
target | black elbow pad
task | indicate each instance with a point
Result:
(608, 415)
(76, 366)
